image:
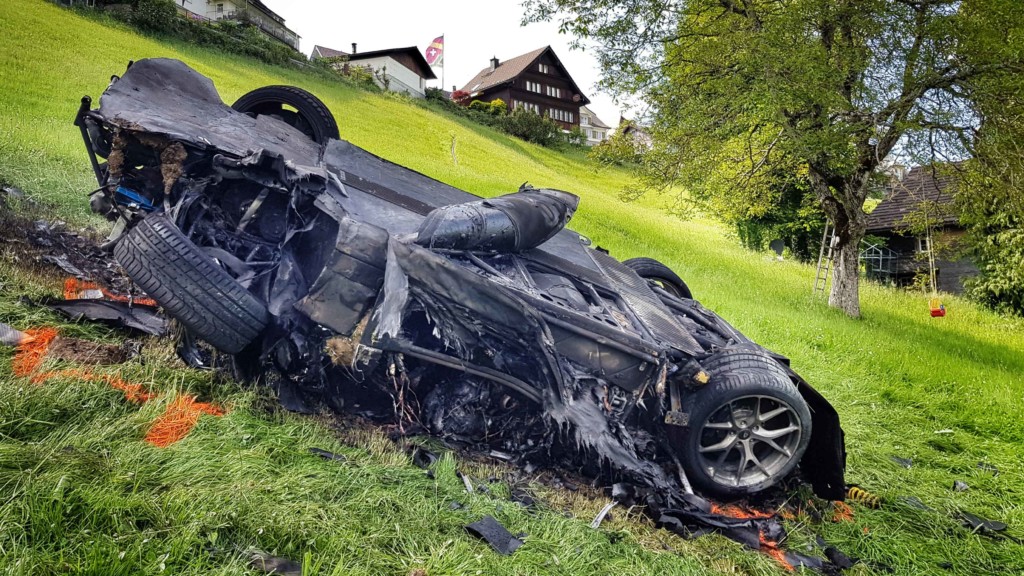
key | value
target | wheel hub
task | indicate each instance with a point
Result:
(749, 440)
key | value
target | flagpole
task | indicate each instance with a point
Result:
(443, 50)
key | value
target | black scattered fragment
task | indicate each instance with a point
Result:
(490, 530)
(979, 524)
(327, 455)
(905, 462)
(137, 317)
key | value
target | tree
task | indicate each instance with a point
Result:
(744, 90)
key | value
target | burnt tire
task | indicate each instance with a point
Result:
(190, 285)
(749, 427)
(653, 271)
(310, 115)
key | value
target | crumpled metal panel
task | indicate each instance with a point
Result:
(165, 97)
(647, 306)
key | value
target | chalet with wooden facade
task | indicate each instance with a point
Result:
(536, 81)
(923, 195)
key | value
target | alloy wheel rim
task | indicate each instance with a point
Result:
(749, 440)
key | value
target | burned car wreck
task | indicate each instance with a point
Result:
(351, 280)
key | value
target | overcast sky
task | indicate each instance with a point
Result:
(473, 33)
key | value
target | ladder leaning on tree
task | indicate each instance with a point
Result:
(825, 258)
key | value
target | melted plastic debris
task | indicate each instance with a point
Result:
(490, 530)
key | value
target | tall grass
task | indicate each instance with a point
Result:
(79, 489)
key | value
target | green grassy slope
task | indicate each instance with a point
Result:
(945, 392)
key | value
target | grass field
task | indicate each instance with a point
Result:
(80, 493)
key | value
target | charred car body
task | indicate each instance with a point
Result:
(350, 277)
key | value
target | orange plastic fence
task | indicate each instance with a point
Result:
(181, 416)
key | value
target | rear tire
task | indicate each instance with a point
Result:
(310, 115)
(190, 285)
(653, 271)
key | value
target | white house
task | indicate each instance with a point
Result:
(394, 69)
(252, 11)
(593, 128)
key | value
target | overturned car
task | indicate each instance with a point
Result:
(350, 281)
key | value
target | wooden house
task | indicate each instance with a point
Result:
(536, 81)
(919, 229)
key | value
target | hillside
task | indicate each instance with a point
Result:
(82, 494)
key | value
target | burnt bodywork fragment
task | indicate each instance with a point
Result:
(369, 287)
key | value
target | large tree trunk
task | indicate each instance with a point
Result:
(845, 293)
(843, 204)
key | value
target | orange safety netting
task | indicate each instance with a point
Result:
(769, 547)
(74, 289)
(132, 392)
(842, 512)
(32, 350)
(179, 419)
(181, 415)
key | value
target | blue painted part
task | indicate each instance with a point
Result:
(127, 196)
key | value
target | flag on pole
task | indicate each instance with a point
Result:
(435, 52)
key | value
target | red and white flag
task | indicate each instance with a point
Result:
(435, 52)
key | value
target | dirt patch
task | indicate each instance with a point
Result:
(91, 353)
(57, 246)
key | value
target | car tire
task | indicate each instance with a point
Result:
(310, 115)
(653, 271)
(748, 428)
(189, 285)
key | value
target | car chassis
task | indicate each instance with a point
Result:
(345, 279)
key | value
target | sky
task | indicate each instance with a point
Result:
(473, 33)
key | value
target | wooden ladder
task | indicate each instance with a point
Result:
(825, 257)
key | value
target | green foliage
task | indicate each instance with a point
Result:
(155, 16)
(743, 91)
(620, 150)
(575, 137)
(498, 107)
(160, 17)
(480, 106)
(532, 127)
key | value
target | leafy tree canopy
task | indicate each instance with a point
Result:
(744, 91)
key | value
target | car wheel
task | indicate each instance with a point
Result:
(189, 285)
(295, 107)
(749, 428)
(653, 271)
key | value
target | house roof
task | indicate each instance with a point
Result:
(922, 184)
(263, 8)
(423, 69)
(594, 120)
(508, 70)
(325, 52)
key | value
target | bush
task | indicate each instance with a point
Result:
(523, 123)
(575, 137)
(480, 106)
(155, 16)
(618, 150)
(460, 97)
(498, 107)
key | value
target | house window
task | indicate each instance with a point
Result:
(552, 91)
(531, 107)
(544, 69)
(220, 8)
(584, 120)
(923, 244)
(534, 87)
